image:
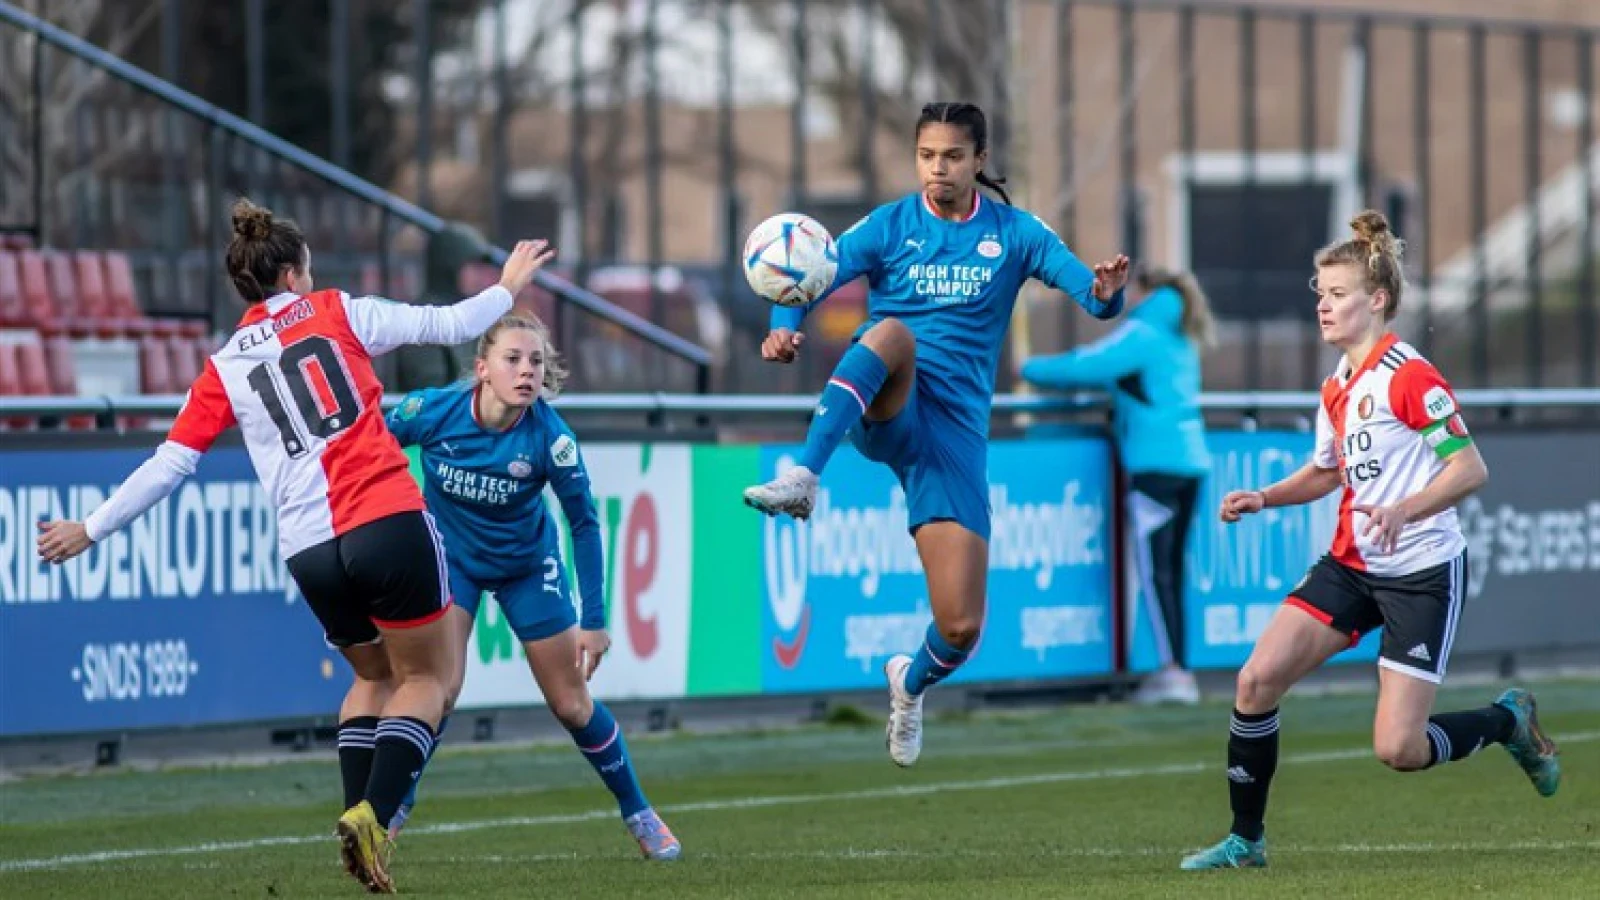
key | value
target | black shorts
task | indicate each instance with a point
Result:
(1418, 612)
(389, 573)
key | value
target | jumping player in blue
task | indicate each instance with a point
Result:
(489, 446)
(914, 391)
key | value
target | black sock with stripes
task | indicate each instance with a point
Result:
(1458, 735)
(1252, 760)
(400, 752)
(357, 735)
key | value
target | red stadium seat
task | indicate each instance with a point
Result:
(63, 275)
(63, 368)
(119, 286)
(155, 366)
(202, 348)
(41, 306)
(121, 297)
(33, 370)
(10, 376)
(11, 384)
(184, 368)
(93, 301)
(13, 309)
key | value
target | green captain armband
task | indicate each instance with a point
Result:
(1447, 436)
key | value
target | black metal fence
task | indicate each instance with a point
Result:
(648, 136)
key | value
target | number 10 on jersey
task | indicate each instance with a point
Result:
(318, 382)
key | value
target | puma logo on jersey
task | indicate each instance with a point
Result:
(913, 243)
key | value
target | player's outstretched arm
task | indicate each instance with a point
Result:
(1310, 483)
(1098, 290)
(206, 414)
(382, 325)
(1121, 353)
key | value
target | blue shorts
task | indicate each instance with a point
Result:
(536, 606)
(942, 465)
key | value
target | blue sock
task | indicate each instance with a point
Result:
(411, 795)
(602, 745)
(857, 379)
(934, 662)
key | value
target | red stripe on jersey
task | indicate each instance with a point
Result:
(368, 475)
(1336, 397)
(1408, 392)
(206, 412)
(1344, 536)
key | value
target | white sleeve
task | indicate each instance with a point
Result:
(382, 325)
(148, 485)
(1326, 456)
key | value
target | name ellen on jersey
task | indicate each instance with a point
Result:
(947, 283)
(289, 316)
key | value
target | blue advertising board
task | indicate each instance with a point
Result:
(185, 617)
(1236, 576)
(845, 591)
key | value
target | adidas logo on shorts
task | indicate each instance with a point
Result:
(1420, 651)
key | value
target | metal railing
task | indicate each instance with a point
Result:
(107, 409)
(218, 121)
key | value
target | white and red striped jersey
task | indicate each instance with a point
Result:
(1388, 427)
(296, 377)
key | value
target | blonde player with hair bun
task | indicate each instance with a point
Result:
(1389, 436)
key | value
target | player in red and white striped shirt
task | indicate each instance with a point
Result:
(1389, 434)
(296, 377)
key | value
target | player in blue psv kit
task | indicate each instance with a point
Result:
(914, 391)
(489, 448)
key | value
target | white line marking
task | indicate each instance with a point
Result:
(884, 793)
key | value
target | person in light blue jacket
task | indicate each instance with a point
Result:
(1151, 366)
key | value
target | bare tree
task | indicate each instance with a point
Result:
(63, 88)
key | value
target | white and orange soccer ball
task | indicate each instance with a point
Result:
(790, 259)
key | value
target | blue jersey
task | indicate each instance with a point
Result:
(954, 285)
(484, 487)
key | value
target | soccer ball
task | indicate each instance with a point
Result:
(790, 259)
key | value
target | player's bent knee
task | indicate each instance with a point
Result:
(1256, 691)
(573, 712)
(891, 339)
(1406, 753)
(961, 631)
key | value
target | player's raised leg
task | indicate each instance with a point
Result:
(956, 562)
(1407, 739)
(1294, 644)
(559, 668)
(873, 380)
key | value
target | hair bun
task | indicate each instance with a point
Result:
(1371, 226)
(251, 222)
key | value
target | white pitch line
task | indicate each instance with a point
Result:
(884, 793)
